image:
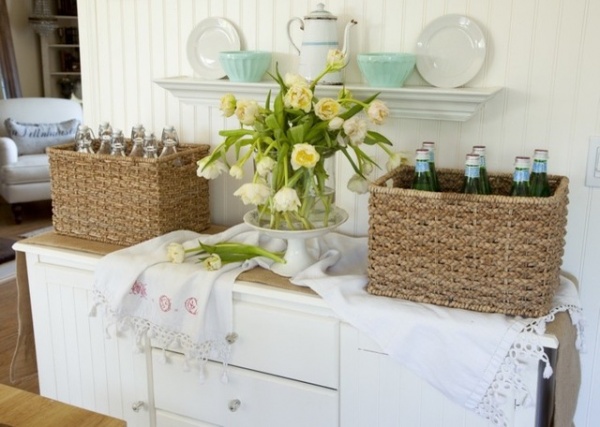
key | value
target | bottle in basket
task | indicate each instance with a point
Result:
(150, 146)
(484, 179)
(137, 140)
(471, 182)
(105, 134)
(430, 146)
(117, 143)
(83, 139)
(422, 179)
(538, 180)
(170, 141)
(520, 184)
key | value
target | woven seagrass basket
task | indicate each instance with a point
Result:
(125, 200)
(487, 253)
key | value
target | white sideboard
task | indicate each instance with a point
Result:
(294, 363)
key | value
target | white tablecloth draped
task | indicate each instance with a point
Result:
(471, 357)
(180, 306)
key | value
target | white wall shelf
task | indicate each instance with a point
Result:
(416, 102)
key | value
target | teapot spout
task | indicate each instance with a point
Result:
(345, 47)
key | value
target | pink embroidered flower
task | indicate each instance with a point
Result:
(138, 288)
(191, 305)
(164, 303)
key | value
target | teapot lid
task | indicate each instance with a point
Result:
(320, 13)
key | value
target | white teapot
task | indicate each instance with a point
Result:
(320, 35)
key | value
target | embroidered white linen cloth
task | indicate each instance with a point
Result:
(132, 282)
(178, 305)
(470, 357)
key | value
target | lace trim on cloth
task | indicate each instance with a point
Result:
(508, 382)
(195, 354)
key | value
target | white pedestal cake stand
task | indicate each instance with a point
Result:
(296, 256)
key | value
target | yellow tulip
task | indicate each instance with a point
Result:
(304, 155)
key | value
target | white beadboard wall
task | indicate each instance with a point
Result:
(545, 53)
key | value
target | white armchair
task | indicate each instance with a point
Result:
(24, 167)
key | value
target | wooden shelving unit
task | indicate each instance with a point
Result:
(61, 65)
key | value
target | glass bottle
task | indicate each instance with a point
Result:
(430, 146)
(538, 180)
(150, 147)
(422, 179)
(472, 180)
(520, 184)
(117, 143)
(169, 137)
(105, 134)
(484, 179)
(170, 141)
(83, 139)
(137, 140)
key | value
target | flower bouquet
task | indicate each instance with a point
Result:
(290, 141)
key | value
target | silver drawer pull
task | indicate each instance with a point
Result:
(234, 405)
(136, 406)
(231, 338)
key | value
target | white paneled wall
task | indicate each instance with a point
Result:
(545, 53)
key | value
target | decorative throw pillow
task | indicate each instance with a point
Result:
(33, 138)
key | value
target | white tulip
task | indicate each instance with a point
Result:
(265, 165)
(356, 130)
(378, 112)
(336, 123)
(212, 170)
(175, 253)
(395, 160)
(253, 193)
(358, 184)
(236, 172)
(212, 263)
(286, 199)
(247, 111)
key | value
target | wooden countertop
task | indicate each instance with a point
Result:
(20, 408)
(54, 240)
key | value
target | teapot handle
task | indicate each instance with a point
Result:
(289, 25)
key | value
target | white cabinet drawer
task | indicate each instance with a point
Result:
(167, 419)
(287, 343)
(264, 400)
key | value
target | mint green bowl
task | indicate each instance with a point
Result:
(245, 65)
(382, 69)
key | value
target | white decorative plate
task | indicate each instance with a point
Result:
(450, 51)
(210, 37)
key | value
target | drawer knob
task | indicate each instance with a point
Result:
(231, 338)
(136, 406)
(234, 405)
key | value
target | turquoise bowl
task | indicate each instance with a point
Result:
(383, 69)
(245, 65)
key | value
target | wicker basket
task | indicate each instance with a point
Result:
(125, 200)
(494, 253)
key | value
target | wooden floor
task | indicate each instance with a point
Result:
(35, 215)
